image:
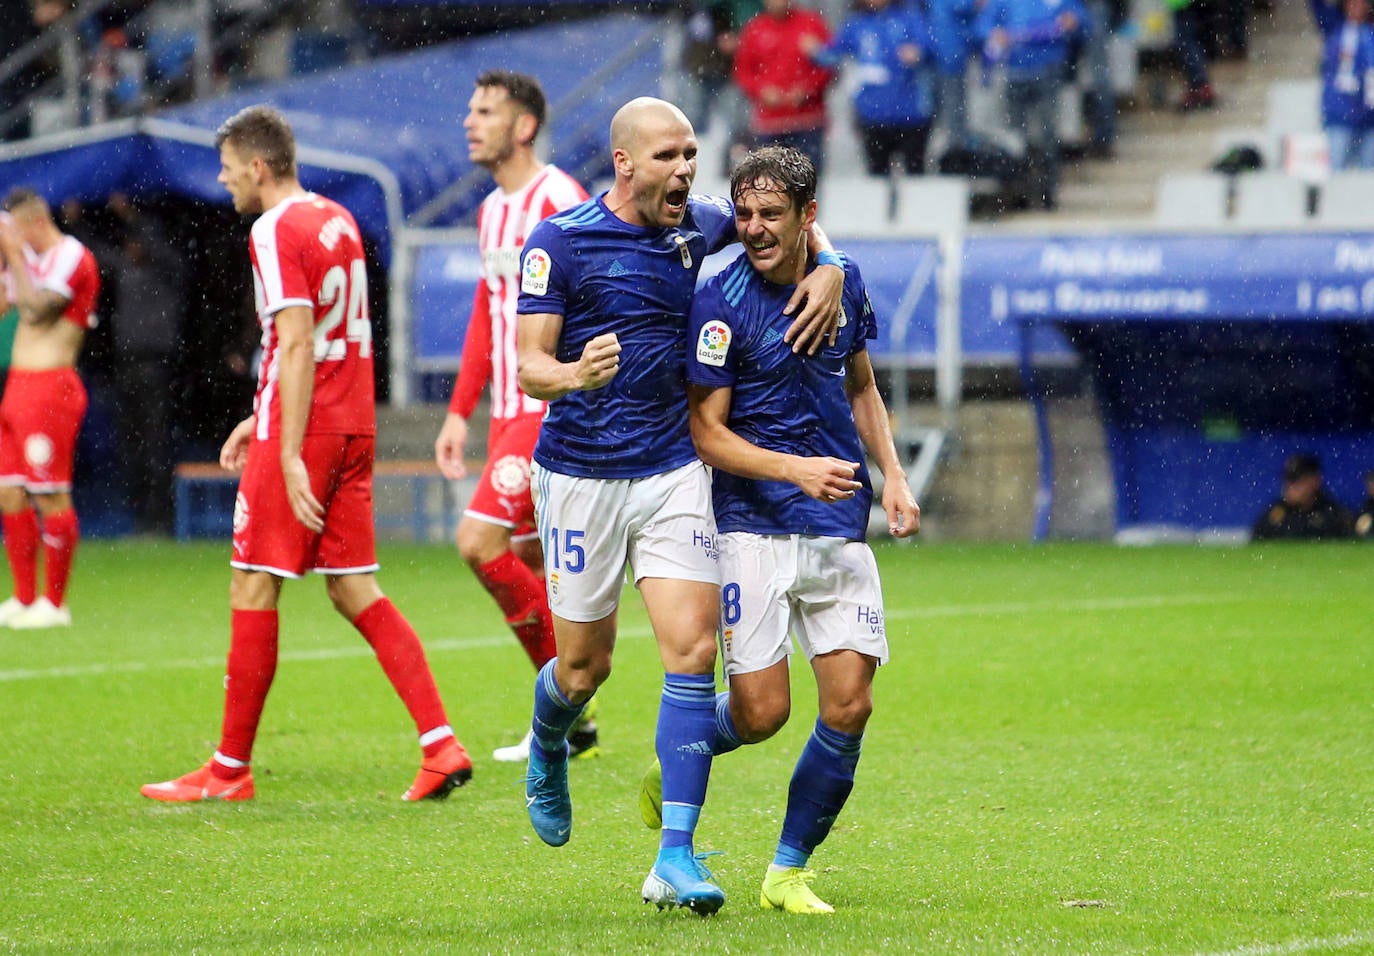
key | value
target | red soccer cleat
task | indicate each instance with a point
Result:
(451, 767)
(200, 785)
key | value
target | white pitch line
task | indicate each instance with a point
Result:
(1320, 944)
(458, 644)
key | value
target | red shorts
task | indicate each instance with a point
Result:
(503, 492)
(267, 536)
(40, 417)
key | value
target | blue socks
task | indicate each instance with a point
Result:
(554, 715)
(727, 738)
(821, 783)
(684, 742)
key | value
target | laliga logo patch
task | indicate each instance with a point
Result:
(38, 450)
(714, 344)
(510, 475)
(240, 513)
(534, 277)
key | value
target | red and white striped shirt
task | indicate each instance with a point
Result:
(307, 251)
(68, 269)
(504, 222)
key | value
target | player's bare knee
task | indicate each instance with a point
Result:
(13, 499)
(351, 594)
(848, 715)
(480, 543)
(757, 720)
(578, 679)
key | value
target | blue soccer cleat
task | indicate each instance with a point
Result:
(547, 798)
(680, 879)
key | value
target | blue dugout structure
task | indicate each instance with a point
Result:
(1211, 359)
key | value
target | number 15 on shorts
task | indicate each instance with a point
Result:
(564, 550)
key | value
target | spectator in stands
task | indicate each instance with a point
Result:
(1105, 17)
(1304, 509)
(1364, 521)
(1347, 59)
(708, 64)
(1192, 55)
(894, 98)
(1031, 37)
(148, 313)
(20, 23)
(785, 89)
(952, 40)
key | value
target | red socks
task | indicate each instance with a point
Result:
(21, 545)
(522, 598)
(252, 665)
(59, 538)
(61, 533)
(402, 657)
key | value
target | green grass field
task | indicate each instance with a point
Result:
(1076, 749)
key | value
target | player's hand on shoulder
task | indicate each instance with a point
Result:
(817, 297)
(826, 479)
(448, 447)
(600, 361)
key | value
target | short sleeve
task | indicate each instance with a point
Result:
(281, 265)
(855, 291)
(715, 217)
(546, 272)
(712, 340)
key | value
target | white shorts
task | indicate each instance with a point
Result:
(824, 590)
(590, 528)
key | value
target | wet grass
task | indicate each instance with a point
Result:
(1076, 749)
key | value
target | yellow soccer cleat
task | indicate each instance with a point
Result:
(651, 797)
(789, 890)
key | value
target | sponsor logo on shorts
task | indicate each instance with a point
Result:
(707, 542)
(714, 344)
(240, 513)
(872, 618)
(38, 450)
(534, 277)
(511, 475)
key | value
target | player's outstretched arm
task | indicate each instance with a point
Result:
(544, 377)
(825, 479)
(818, 298)
(448, 447)
(875, 431)
(233, 455)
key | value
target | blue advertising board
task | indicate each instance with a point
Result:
(900, 276)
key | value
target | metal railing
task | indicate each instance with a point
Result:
(79, 91)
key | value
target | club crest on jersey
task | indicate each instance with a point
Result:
(714, 344)
(534, 277)
(844, 316)
(683, 251)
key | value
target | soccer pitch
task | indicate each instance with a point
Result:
(1075, 749)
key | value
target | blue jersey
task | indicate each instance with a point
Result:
(602, 274)
(781, 401)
